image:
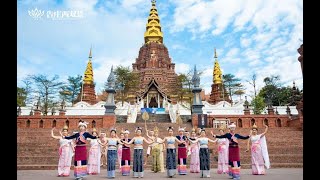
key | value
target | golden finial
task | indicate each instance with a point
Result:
(215, 53)
(254, 126)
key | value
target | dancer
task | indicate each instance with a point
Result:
(126, 155)
(65, 153)
(259, 151)
(80, 157)
(150, 138)
(171, 164)
(157, 152)
(112, 153)
(182, 152)
(223, 148)
(138, 152)
(204, 153)
(234, 153)
(120, 149)
(194, 152)
(104, 148)
(93, 166)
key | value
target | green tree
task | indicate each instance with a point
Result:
(231, 83)
(126, 78)
(72, 89)
(258, 104)
(47, 89)
(21, 96)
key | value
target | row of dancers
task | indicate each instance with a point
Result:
(194, 144)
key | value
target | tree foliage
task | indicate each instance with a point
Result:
(47, 88)
(71, 90)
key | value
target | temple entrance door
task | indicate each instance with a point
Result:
(153, 102)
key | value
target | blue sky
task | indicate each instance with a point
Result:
(251, 36)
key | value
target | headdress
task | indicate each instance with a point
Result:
(254, 126)
(82, 123)
(222, 127)
(181, 129)
(65, 127)
(126, 131)
(170, 127)
(138, 128)
(232, 125)
(155, 129)
(113, 129)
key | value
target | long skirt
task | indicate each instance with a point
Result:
(182, 160)
(80, 161)
(222, 159)
(194, 160)
(93, 167)
(257, 160)
(204, 155)
(234, 162)
(171, 164)
(155, 153)
(65, 158)
(125, 162)
(138, 163)
(111, 163)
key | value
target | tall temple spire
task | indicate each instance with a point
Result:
(153, 29)
(217, 74)
(88, 74)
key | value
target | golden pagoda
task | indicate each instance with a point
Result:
(88, 74)
(217, 74)
(153, 29)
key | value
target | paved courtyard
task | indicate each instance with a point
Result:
(272, 174)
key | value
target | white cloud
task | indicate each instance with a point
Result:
(182, 68)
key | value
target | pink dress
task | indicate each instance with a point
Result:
(93, 166)
(195, 160)
(223, 160)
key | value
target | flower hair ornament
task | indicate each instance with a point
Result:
(170, 127)
(138, 128)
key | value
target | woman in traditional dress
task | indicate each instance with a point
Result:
(93, 166)
(194, 153)
(259, 151)
(157, 153)
(126, 155)
(138, 152)
(234, 152)
(204, 154)
(171, 164)
(65, 153)
(112, 153)
(223, 148)
(182, 152)
(120, 149)
(80, 157)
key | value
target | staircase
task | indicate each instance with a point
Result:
(37, 150)
(163, 118)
